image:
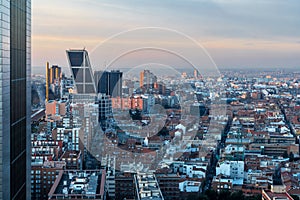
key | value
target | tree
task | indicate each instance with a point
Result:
(224, 195)
(192, 197)
(237, 195)
(211, 194)
(203, 197)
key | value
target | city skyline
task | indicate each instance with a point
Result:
(187, 100)
(248, 34)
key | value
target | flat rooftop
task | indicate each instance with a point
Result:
(147, 187)
(78, 184)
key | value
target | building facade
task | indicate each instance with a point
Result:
(15, 65)
(147, 80)
(81, 71)
(109, 83)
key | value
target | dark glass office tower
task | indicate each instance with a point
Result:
(101, 78)
(115, 83)
(15, 91)
(109, 83)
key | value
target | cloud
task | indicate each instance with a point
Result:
(262, 25)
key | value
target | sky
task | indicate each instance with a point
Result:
(235, 33)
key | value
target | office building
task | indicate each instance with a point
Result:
(53, 78)
(109, 83)
(81, 71)
(54, 73)
(105, 110)
(15, 97)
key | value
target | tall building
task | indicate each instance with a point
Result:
(53, 78)
(15, 97)
(109, 83)
(147, 79)
(81, 70)
(53, 73)
(105, 110)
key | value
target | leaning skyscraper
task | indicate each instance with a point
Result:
(15, 96)
(81, 71)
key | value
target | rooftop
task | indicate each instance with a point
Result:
(147, 187)
(78, 184)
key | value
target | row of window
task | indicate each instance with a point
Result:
(39, 172)
(39, 181)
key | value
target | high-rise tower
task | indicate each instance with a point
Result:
(15, 97)
(147, 79)
(53, 78)
(109, 83)
(81, 70)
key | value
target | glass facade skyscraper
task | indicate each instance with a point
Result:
(15, 91)
(109, 83)
(81, 71)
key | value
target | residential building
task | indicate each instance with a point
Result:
(77, 184)
(147, 187)
(43, 175)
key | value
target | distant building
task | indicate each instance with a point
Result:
(125, 185)
(147, 187)
(72, 159)
(276, 192)
(56, 108)
(233, 169)
(78, 184)
(53, 81)
(190, 186)
(70, 136)
(43, 175)
(147, 80)
(137, 102)
(121, 103)
(169, 184)
(175, 186)
(222, 183)
(105, 110)
(109, 83)
(81, 71)
(45, 150)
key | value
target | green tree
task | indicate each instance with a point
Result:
(211, 194)
(192, 197)
(203, 197)
(224, 195)
(237, 196)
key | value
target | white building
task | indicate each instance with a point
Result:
(190, 186)
(233, 169)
